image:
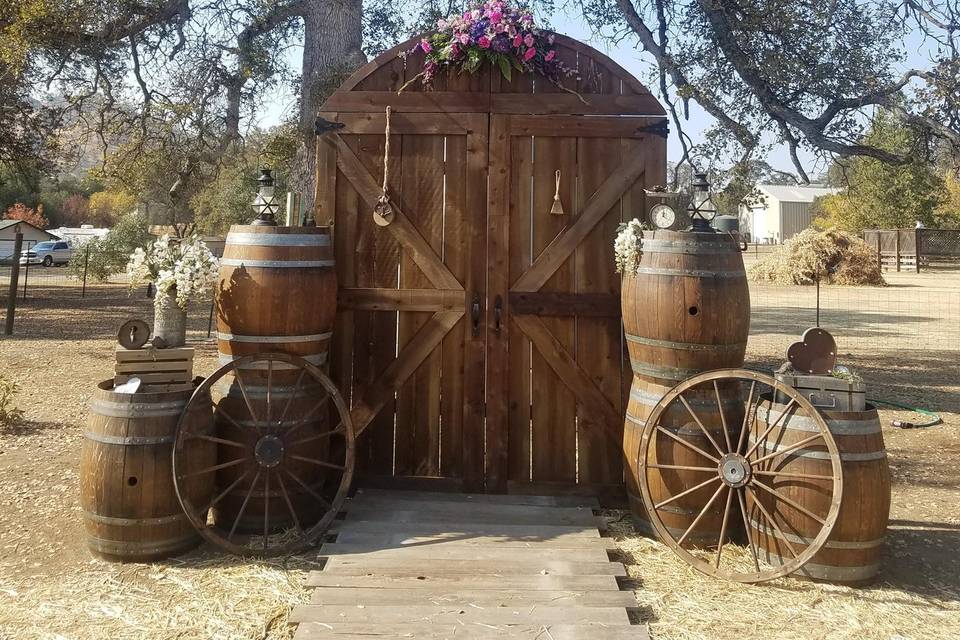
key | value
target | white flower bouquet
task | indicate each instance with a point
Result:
(626, 247)
(185, 269)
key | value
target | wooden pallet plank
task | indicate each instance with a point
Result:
(471, 631)
(507, 512)
(373, 597)
(486, 498)
(151, 354)
(541, 582)
(440, 614)
(441, 540)
(347, 565)
(461, 552)
(516, 531)
(414, 516)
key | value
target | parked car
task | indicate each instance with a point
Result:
(47, 253)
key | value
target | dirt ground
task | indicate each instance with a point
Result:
(50, 586)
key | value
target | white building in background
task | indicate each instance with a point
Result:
(782, 212)
(77, 236)
(31, 236)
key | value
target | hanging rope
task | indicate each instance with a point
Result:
(383, 213)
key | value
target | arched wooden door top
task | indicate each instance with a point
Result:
(605, 86)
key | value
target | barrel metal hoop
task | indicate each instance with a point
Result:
(279, 239)
(137, 409)
(837, 427)
(829, 544)
(821, 455)
(687, 247)
(132, 522)
(685, 346)
(830, 572)
(275, 264)
(635, 420)
(690, 273)
(666, 373)
(316, 359)
(118, 547)
(651, 399)
(235, 337)
(127, 440)
(231, 390)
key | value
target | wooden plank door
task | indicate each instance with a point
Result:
(557, 381)
(407, 351)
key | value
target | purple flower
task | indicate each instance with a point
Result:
(500, 44)
(478, 28)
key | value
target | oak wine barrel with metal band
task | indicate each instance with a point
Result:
(852, 552)
(686, 310)
(130, 508)
(277, 292)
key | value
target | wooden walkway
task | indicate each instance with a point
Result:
(432, 566)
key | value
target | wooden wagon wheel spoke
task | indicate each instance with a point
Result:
(769, 429)
(688, 445)
(746, 528)
(286, 499)
(746, 416)
(750, 475)
(723, 417)
(664, 503)
(320, 436)
(243, 507)
(702, 513)
(700, 424)
(259, 513)
(796, 505)
(789, 448)
(773, 523)
(723, 524)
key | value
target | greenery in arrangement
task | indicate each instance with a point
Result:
(496, 33)
(182, 268)
(9, 414)
(832, 257)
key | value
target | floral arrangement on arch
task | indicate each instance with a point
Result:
(493, 32)
(627, 246)
(186, 269)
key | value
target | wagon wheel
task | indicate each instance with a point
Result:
(275, 448)
(737, 469)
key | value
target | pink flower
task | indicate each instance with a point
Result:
(441, 24)
(484, 42)
(455, 50)
(517, 40)
(466, 15)
(425, 45)
(528, 40)
(550, 55)
(495, 17)
(530, 53)
(464, 38)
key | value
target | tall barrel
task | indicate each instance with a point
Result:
(277, 292)
(686, 310)
(851, 555)
(130, 508)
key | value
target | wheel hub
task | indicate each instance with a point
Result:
(269, 451)
(734, 470)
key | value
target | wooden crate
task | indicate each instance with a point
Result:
(154, 366)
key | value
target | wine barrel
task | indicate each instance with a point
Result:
(277, 292)
(851, 554)
(130, 508)
(686, 310)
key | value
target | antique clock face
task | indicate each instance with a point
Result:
(663, 216)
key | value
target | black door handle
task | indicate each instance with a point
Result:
(475, 314)
(497, 308)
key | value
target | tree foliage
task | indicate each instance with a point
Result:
(20, 211)
(106, 256)
(880, 195)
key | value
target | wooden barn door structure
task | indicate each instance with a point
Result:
(478, 339)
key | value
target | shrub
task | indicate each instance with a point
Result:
(833, 256)
(110, 254)
(9, 414)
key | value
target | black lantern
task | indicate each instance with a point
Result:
(701, 209)
(265, 203)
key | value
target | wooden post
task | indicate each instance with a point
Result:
(897, 249)
(879, 255)
(14, 277)
(916, 247)
(86, 262)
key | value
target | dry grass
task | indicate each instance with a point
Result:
(833, 256)
(680, 603)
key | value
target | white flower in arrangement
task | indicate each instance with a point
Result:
(186, 269)
(626, 246)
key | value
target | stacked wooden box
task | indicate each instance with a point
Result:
(155, 367)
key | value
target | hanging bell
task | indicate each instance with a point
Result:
(557, 208)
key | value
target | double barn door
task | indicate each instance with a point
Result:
(478, 338)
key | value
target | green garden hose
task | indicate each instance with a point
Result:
(903, 424)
